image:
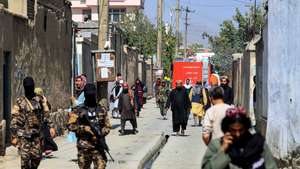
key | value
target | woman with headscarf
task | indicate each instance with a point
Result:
(127, 111)
(48, 143)
(238, 148)
(199, 99)
(138, 89)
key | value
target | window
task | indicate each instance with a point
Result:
(82, 1)
(116, 15)
(87, 15)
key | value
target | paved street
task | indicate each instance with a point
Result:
(130, 151)
(182, 152)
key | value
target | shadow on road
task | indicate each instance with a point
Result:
(114, 126)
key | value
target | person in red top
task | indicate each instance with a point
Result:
(138, 89)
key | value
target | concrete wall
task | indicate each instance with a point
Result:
(243, 70)
(237, 78)
(131, 67)
(283, 78)
(149, 76)
(261, 82)
(248, 72)
(40, 48)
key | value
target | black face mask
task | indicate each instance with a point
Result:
(28, 85)
(90, 95)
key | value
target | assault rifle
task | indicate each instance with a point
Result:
(101, 142)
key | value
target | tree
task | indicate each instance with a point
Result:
(195, 47)
(233, 37)
(169, 45)
(139, 32)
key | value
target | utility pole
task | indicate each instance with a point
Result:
(103, 23)
(159, 32)
(102, 87)
(177, 26)
(254, 20)
(187, 11)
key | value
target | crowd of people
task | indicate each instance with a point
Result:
(226, 129)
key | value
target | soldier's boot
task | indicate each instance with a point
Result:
(35, 164)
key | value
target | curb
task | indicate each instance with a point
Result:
(152, 152)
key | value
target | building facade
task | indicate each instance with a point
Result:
(87, 10)
(35, 40)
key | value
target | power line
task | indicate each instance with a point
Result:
(213, 6)
(240, 1)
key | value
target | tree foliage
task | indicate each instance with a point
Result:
(168, 54)
(139, 32)
(195, 47)
(233, 37)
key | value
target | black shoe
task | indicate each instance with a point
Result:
(135, 131)
(121, 131)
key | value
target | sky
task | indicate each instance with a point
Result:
(207, 15)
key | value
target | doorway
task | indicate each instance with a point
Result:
(7, 92)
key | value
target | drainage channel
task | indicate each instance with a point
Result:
(151, 160)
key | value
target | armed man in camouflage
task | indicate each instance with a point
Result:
(162, 97)
(28, 115)
(91, 124)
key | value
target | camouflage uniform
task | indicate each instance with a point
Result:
(163, 93)
(86, 143)
(27, 119)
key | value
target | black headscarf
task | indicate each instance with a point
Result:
(28, 85)
(248, 149)
(90, 95)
